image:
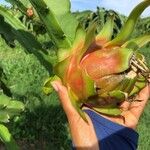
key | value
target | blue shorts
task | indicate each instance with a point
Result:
(112, 136)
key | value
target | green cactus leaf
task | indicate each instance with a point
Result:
(15, 107)
(140, 84)
(6, 32)
(137, 43)
(9, 108)
(123, 84)
(86, 40)
(76, 103)
(60, 24)
(64, 6)
(4, 101)
(4, 117)
(117, 94)
(130, 85)
(89, 89)
(61, 69)
(108, 111)
(64, 57)
(20, 31)
(11, 19)
(106, 32)
(90, 37)
(25, 3)
(7, 138)
(80, 38)
(76, 47)
(47, 88)
(19, 5)
(128, 28)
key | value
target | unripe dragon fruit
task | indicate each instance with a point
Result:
(101, 72)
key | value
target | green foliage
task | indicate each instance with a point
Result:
(12, 29)
(56, 20)
(24, 71)
(7, 138)
(8, 109)
(86, 18)
(31, 21)
(144, 123)
(143, 26)
(25, 78)
(143, 130)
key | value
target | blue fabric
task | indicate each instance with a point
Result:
(112, 136)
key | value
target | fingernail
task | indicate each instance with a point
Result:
(54, 85)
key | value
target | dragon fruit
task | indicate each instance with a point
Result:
(101, 72)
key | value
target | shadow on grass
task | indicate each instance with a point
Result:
(44, 129)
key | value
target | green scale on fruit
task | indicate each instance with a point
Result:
(98, 71)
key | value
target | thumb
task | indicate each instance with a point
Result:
(59, 88)
(63, 95)
(55, 85)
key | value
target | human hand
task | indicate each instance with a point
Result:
(83, 133)
(131, 111)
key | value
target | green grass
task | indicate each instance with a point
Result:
(144, 123)
(143, 130)
(43, 125)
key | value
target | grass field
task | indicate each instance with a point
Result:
(144, 125)
(44, 123)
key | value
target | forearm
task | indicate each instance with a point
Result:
(83, 133)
